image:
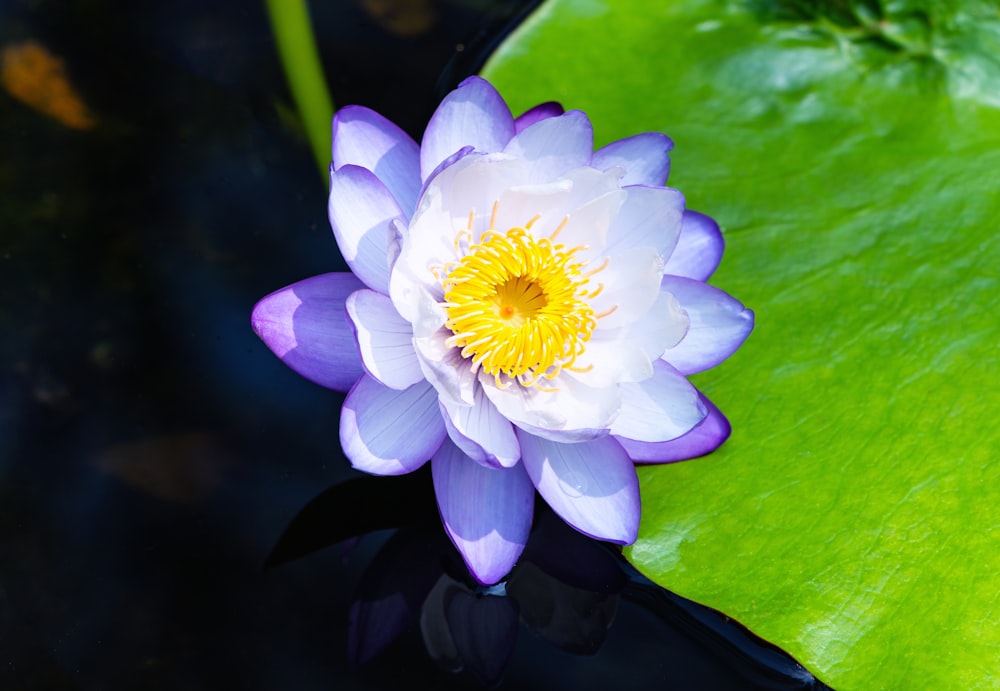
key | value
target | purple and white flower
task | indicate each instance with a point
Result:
(522, 310)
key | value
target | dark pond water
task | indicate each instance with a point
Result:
(153, 452)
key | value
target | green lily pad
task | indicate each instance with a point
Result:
(851, 152)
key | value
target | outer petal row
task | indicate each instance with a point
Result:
(486, 512)
(703, 438)
(645, 158)
(475, 115)
(549, 109)
(362, 137)
(306, 325)
(389, 432)
(719, 325)
(699, 248)
(593, 486)
(361, 213)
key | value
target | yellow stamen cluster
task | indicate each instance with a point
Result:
(518, 306)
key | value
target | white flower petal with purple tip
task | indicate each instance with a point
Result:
(361, 211)
(719, 325)
(592, 486)
(645, 156)
(390, 432)
(484, 434)
(362, 137)
(703, 438)
(486, 512)
(532, 310)
(385, 340)
(664, 407)
(472, 115)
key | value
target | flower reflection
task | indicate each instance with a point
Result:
(565, 589)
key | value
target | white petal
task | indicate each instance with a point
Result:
(463, 191)
(364, 138)
(389, 432)
(650, 217)
(482, 432)
(608, 361)
(631, 283)
(361, 210)
(587, 226)
(385, 340)
(627, 353)
(719, 325)
(570, 413)
(557, 200)
(592, 486)
(554, 145)
(661, 408)
(445, 368)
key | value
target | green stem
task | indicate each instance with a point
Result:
(304, 71)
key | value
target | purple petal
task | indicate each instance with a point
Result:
(719, 325)
(660, 408)
(481, 432)
(486, 512)
(650, 217)
(554, 145)
(389, 432)
(540, 112)
(699, 248)
(704, 438)
(361, 213)
(364, 138)
(306, 326)
(385, 340)
(591, 485)
(474, 115)
(645, 157)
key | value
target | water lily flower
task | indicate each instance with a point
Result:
(522, 310)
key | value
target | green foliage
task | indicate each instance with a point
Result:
(851, 151)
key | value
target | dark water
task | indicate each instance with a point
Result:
(153, 451)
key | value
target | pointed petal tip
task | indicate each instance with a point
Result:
(704, 438)
(305, 325)
(592, 486)
(486, 513)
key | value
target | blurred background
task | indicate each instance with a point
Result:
(154, 183)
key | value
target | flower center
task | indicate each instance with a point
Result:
(517, 306)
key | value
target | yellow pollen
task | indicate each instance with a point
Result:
(517, 306)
